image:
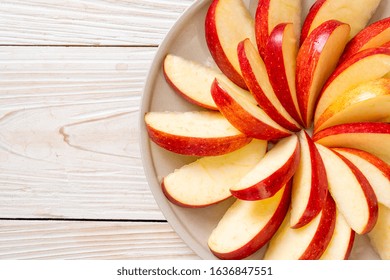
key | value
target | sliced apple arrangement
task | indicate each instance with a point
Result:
(293, 127)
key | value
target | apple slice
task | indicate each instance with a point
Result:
(374, 169)
(372, 137)
(356, 13)
(368, 102)
(271, 173)
(270, 13)
(194, 133)
(341, 244)
(374, 35)
(352, 192)
(380, 235)
(249, 225)
(280, 60)
(305, 243)
(367, 65)
(208, 180)
(256, 77)
(310, 185)
(227, 23)
(191, 80)
(243, 113)
(317, 58)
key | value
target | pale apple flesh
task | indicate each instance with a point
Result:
(243, 113)
(227, 23)
(305, 243)
(380, 235)
(317, 58)
(340, 246)
(356, 13)
(191, 80)
(270, 13)
(248, 225)
(271, 173)
(207, 180)
(368, 102)
(280, 61)
(367, 65)
(374, 169)
(256, 77)
(374, 35)
(372, 137)
(194, 133)
(310, 185)
(352, 192)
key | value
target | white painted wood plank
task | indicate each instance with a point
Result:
(87, 22)
(69, 132)
(90, 240)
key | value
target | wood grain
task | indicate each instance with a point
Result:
(87, 22)
(90, 240)
(69, 132)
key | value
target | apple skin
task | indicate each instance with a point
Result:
(216, 49)
(274, 59)
(288, 12)
(263, 236)
(315, 247)
(324, 233)
(261, 25)
(358, 57)
(366, 102)
(309, 19)
(255, 87)
(346, 5)
(272, 184)
(328, 137)
(374, 35)
(193, 145)
(380, 164)
(241, 119)
(309, 55)
(319, 185)
(368, 193)
(379, 178)
(343, 233)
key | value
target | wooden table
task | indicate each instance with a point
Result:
(72, 184)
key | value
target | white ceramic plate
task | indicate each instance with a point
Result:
(187, 39)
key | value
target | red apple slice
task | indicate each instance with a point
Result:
(368, 102)
(194, 133)
(341, 244)
(380, 235)
(305, 243)
(243, 113)
(310, 185)
(256, 77)
(227, 23)
(367, 65)
(208, 180)
(249, 225)
(191, 80)
(270, 13)
(317, 58)
(351, 191)
(356, 13)
(372, 137)
(374, 35)
(271, 173)
(280, 60)
(374, 169)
